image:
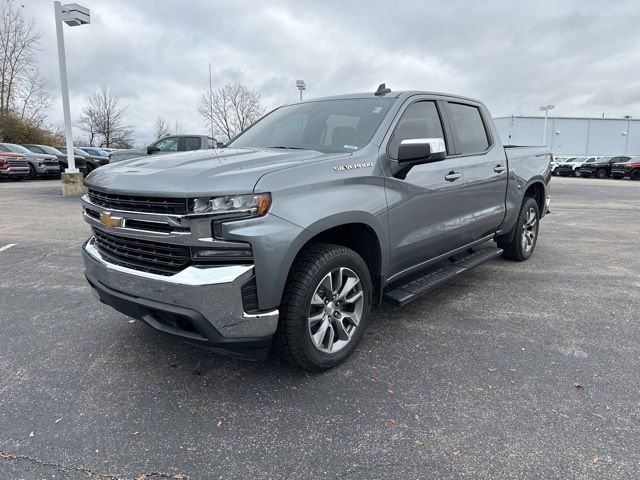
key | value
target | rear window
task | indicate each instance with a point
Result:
(472, 135)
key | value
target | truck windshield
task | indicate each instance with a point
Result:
(342, 125)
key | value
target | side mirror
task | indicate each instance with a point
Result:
(151, 149)
(220, 144)
(421, 150)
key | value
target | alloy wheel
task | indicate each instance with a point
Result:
(529, 230)
(335, 310)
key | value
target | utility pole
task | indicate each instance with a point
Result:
(211, 103)
(545, 109)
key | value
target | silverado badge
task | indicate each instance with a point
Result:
(109, 222)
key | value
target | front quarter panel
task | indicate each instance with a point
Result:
(312, 198)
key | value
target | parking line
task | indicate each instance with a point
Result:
(7, 247)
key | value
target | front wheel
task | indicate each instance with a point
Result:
(635, 175)
(601, 173)
(325, 307)
(576, 173)
(524, 238)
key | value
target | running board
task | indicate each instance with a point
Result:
(403, 294)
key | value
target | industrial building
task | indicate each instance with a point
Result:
(574, 135)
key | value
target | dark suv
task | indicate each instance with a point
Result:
(600, 167)
(627, 168)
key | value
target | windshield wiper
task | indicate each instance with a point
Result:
(288, 148)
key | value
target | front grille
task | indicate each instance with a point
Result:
(134, 203)
(17, 163)
(143, 255)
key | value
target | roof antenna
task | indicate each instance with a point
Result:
(382, 90)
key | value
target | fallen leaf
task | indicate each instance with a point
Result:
(392, 422)
(219, 424)
(389, 391)
(142, 477)
(179, 476)
(87, 472)
(132, 321)
(417, 417)
(373, 380)
(456, 452)
(492, 369)
(597, 459)
(196, 411)
(419, 443)
(294, 388)
(191, 449)
(58, 420)
(135, 433)
(328, 439)
(31, 434)
(597, 415)
(438, 419)
(578, 385)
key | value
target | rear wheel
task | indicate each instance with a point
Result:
(601, 173)
(576, 172)
(635, 175)
(524, 238)
(325, 307)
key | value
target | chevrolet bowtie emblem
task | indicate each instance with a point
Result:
(109, 222)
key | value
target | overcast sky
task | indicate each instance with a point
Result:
(582, 56)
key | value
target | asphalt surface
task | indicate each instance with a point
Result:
(514, 370)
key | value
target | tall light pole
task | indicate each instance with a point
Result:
(301, 86)
(545, 109)
(73, 15)
(211, 104)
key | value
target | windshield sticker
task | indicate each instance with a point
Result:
(350, 147)
(377, 110)
(352, 166)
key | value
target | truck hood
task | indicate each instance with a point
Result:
(222, 171)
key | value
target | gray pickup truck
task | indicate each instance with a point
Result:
(287, 237)
(166, 145)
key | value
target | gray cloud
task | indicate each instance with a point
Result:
(513, 56)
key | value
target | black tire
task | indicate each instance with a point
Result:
(293, 339)
(601, 173)
(32, 172)
(577, 173)
(635, 175)
(514, 248)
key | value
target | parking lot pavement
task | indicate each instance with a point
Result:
(512, 371)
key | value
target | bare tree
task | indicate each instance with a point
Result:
(231, 109)
(161, 127)
(35, 99)
(104, 117)
(22, 90)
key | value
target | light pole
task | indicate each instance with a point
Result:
(545, 109)
(73, 15)
(301, 86)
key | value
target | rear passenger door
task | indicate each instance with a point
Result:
(484, 167)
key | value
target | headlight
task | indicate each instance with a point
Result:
(252, 205)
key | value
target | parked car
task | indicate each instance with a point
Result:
(14, 166)
(292, 232)
(93, 161)
(570, 167)
(81, 163)
(39, 163)
(600, 167)
(98, 152)
(168, 144)
(628, 168)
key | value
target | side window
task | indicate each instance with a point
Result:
(472, 136)
(419, 120)
(191, 143)
(35, 149)
(169, 144)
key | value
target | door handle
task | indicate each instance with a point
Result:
(499, 168)
(452, 176)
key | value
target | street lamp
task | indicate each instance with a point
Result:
(545, 109)
(301, 86)
(73, 15)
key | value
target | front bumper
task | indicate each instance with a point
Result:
(202, 306)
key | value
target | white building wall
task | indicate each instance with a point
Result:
(574, 136)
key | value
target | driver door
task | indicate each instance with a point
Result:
(424, 207)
